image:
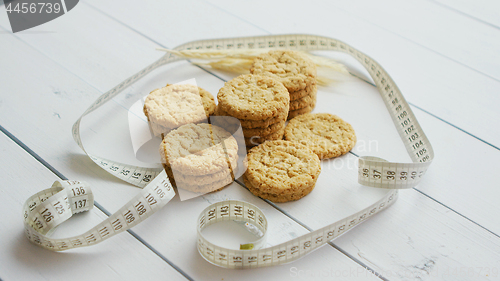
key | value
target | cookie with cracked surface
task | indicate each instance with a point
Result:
(302, 93)
(282, 168)
(199, 149)
(278, 198)
(291, 68)
(253, 97)
(325, 134)
(175, 105)
(249, 124)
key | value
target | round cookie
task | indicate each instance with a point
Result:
(255, 140)
(249, 124)
(179, 104)
(198, 149)
(291, 68)
(253, 97)
(277, 198)
(302, 93)
(282, 168)
(325, 134)
(207, 99)
(303, 102)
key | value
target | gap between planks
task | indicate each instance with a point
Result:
(455, 10)
(222, 79)
(156, 42)
(419, 108)
(101, 208)
(98, 206)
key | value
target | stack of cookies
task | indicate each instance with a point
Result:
(296, 72)
(281, 171)
(260, 103)
(175, 105)
(199, 157)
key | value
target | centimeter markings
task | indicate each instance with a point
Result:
(137, 176)
(279, 254)
(51, 207)
(372, 171)
(47, 209)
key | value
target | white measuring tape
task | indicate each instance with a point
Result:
(49, 208)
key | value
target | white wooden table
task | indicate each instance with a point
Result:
(444, 55)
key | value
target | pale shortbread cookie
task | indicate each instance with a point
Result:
(302, 93)
(282, 168)
(325, 134)
(175, 105)
(253, 97)
(255, 140)
(206, 188)
(303, 102)
(201, 187)
(202, 179)
(199, 149)
(291, 68)
(277, 198)
(249, 124)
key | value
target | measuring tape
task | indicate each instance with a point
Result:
(49, 208)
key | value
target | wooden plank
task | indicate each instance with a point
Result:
(367, 136)
(449, 190)
(414, 240)
(452, 35)
(427, 79)
(23, 176)
(455, 193)
(467, 189)
(326, 260)
(68, 40)
(54, 99)
(487, 11)
(448, 193)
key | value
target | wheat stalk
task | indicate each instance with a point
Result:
(217, 54)
(240, 61)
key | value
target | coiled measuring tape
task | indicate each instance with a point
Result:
(47, 209)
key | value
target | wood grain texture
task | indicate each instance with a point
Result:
(437, 28)
(486, 11)
(433, 82)
(379, 137)
(449, 241)
(44, 124)
(23, 176)
(467, 189)
(417, 239)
